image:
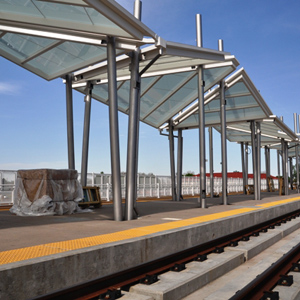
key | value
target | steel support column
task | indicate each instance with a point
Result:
(291, 172)
(297, 167)
(246, 162)
(86, 133)
(179, 164)
(70, 126)
(284, 167)
(266, 166)
(133, 128)
(278, 164)
(172, 160)
(254, 159)
(243, 167)
(258, 141)
(223, 142)
(267, 162)
(287, 173)
(132, 135)
(114, 129)
(296, 153)
(211, 161)
(201, 84)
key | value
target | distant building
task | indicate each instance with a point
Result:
(236, 175)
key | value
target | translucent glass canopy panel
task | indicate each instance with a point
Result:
(48, 58)
(53, 38)
(170, 83)
(243, 103)
(272, 131)
(167, 57)
(94, 17)
(162, 96)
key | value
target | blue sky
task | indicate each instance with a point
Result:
(263, 35)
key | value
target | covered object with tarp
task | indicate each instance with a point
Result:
(46, 192)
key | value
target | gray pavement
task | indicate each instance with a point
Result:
(18, 232)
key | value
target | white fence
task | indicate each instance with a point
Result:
(148, 185)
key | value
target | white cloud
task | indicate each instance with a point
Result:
(8, 88)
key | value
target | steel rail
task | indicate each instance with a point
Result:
(267, 280)
(124, 279)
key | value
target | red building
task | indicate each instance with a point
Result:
(236, 175)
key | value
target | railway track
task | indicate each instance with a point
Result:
(277, 274)
(110, 287)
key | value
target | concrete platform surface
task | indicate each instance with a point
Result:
(18, 232)
(45, 254)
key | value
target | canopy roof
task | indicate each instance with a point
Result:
(168, 86)
(243, 103)
(53, 38)
(272, 131)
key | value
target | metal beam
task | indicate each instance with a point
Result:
(42, 51)
(179, 164)
(114, 129)
(86, 133)
(70, 126)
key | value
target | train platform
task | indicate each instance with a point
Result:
(40, 255)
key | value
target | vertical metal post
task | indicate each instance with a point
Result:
(199, 37)
(297, 167)
(211, 161)
(70, 127)
(133, 127)
(278, 164)
(133, 122)
(223, 133)
(179, 164)
(296, 152)
(266, 166)
(114, 129)
(246, 162)
(86, 133)
(258, 139)
(287, 173)
(267, 160)
(243, 167)
(254, 159)
(172, 160)
(291, 172)
(284, 166)
(223, 141)
(201, 84)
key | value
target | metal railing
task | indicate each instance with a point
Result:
(148, 185)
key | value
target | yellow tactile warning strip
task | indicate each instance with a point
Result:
(279, 202)
(21, 254)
